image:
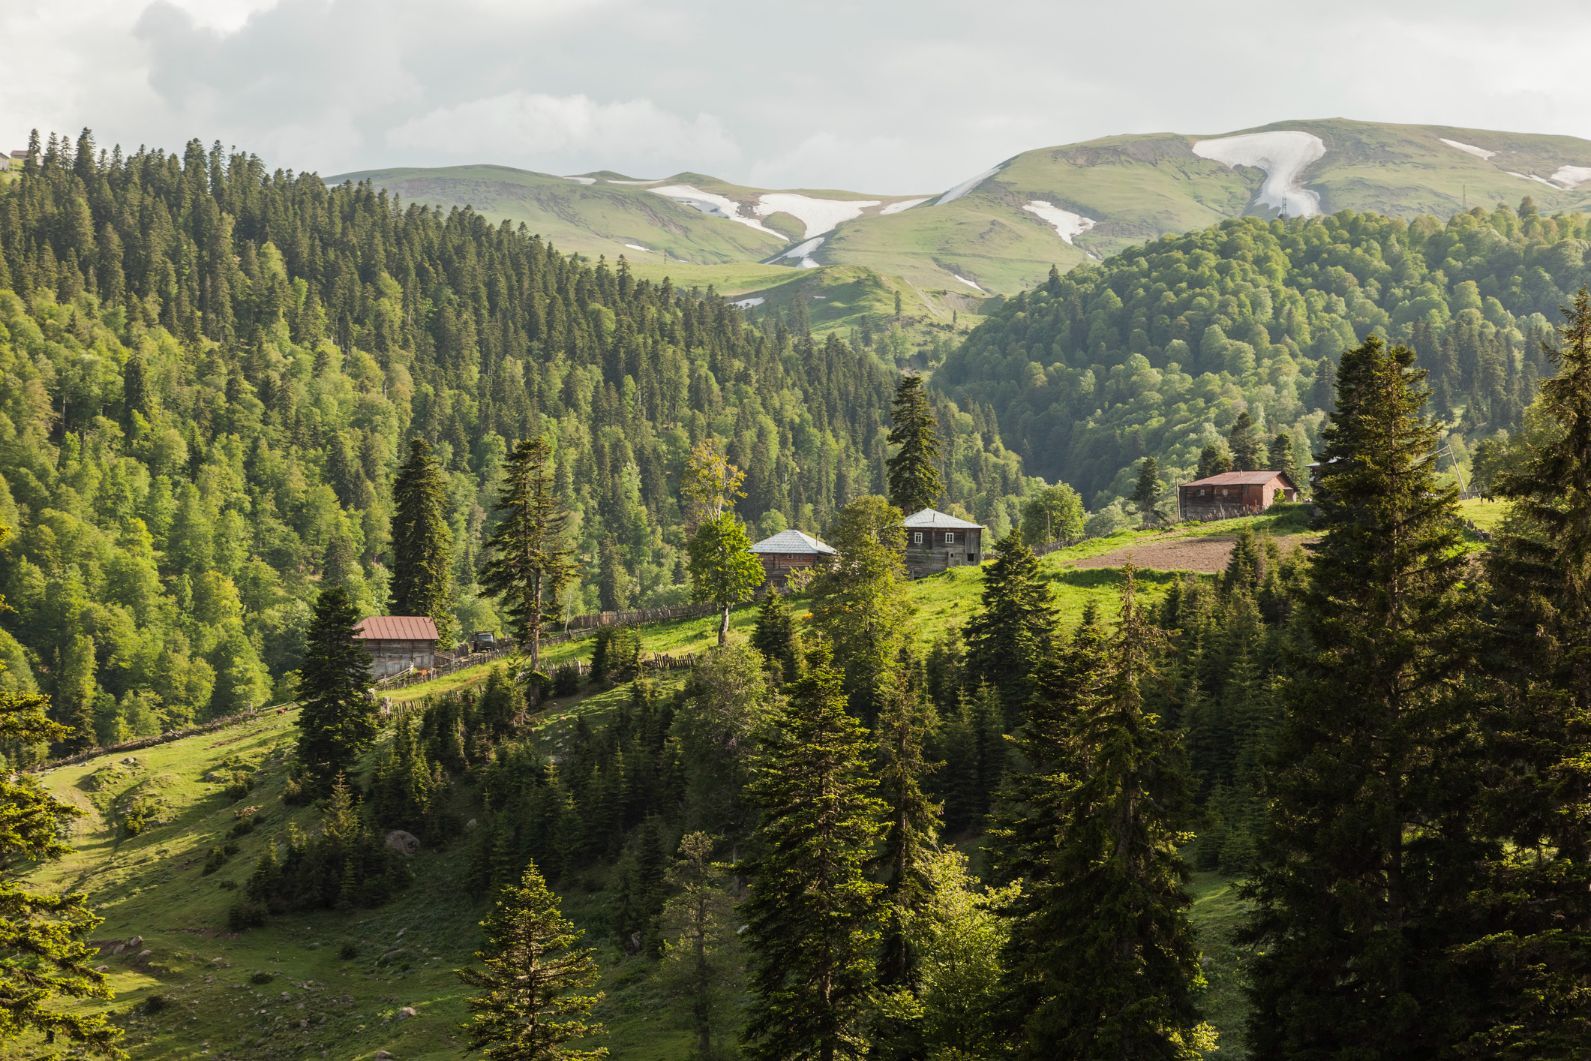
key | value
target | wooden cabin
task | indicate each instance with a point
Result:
(1231, 494)
(397, 643)
(935, 541)
(787, 552)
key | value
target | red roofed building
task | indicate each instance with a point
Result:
(397, 643)
(1234, 494)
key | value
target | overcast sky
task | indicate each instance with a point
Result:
(892, 96)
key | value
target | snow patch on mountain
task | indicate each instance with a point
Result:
(817, 215)
(1530, 177)
(638, 247)
(1468, 149)
(747, 303)
(963, 188)
(1283, 154)
(582, 180)
(1067, 224)
(1572, 176)
(969, 283)
(713, 204)
(802, 253)
(903, 204)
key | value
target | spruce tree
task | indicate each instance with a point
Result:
(45, 957)
(914, 479)
(699, 934)
(811, 909)
(1279, 457)
(912, 823)
(1538, 724)
(859, 599)
(1245, 443)
(774, 635)
(1368, 860)
(1011, 636)
(422, 541)
(1101, 962)
(1146, 495)
(337, 716)
(535, 980)
(528, 560)
(1213, 460)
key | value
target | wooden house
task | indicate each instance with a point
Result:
(1232, 494)
(935, 541)
(787, 552)
(397, 643)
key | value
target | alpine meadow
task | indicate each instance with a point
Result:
(1131, 603)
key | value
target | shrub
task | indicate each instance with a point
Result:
(245, 915)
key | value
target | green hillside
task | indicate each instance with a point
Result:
(991, 237)
(338, 982)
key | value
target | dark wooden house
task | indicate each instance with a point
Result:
(935, 541)
(397, 643)
(787, 552)
(1232, 494)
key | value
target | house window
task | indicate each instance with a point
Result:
(950, 536)
(917, 537)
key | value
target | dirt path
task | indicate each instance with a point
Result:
(1206, 556)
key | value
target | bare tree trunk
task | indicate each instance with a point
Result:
(723, 625)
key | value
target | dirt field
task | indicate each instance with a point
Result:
(1203, 555)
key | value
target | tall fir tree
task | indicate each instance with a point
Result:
(337, 717)
(914, 478)
(1279, 457)
(422, 541)
(1213, 460)
(811, 908)
(1009, 639)
(1101, 961)
(912, 823)
(859, 600)
(1244, 441)
(534, 980)
(1369, 857)
(774, 635)
(45, 956)
(699, 932)
(528, 559)
(1146, 495)
(1538, 724)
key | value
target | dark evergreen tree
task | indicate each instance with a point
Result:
(528, 559)
(1244, 442)
(774, 635)
(810, 907)
(914, 477)
(534, 980)
(1213, 460)
(422, 541)
(1279, 457)
(337, 715)
(1010, 637)
(1538, 725)
(1369, 859)
(1101, 962)
(1146, 495)
(912, 824)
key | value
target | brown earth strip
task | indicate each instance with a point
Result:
(1206, 556)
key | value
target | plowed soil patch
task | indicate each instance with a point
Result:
(1203, 555)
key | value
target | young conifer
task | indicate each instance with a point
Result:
(422, 541)
(337, 718)
(914, 479)
(528, 560)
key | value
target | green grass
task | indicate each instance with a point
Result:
(1218, 913)
(1485, 515)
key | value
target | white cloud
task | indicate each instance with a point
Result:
(563, 132)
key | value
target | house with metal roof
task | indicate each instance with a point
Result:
(787, 552)
(936, 541)
(397, 643)
(1231, 494)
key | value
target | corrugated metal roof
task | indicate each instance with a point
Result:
(1239, 479)
(792, 541)
(933, 519)
(396, 628)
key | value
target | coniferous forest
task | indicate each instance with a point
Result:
(856, 815)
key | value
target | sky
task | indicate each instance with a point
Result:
(885, 96)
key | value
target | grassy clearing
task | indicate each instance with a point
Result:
(1485, 515)
(1218, 913)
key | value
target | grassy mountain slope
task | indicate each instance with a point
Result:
(337, 983)
(1132, 188)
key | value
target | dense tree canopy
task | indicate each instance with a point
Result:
(1161, 348)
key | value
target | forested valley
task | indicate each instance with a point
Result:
(957, 816)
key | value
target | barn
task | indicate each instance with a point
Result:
(397, 643)
(789, 551)
(935, 541)
(1232, 494)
